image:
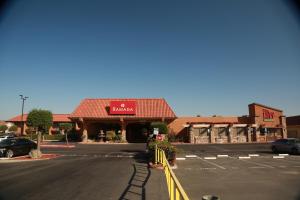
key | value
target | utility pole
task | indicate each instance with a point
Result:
(22, 122)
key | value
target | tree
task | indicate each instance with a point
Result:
(65, 128)
(13, 128)
(3, 128)
(41, 121)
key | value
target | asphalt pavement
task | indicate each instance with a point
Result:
(243, 171)
(85, 172)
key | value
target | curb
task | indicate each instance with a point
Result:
(57, 146)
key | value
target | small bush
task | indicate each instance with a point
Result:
(117, 138)
(13, 128)
(35, 154)
(3, 128)
(30, 130)
(110, 135)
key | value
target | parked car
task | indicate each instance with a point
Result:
(6, 136)
(288, 145)
(16, 147)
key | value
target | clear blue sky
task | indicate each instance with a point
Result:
(204, 57)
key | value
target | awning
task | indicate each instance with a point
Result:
(220, 125)
(239, 125)
(201, 125)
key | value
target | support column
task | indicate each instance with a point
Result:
(123, 130)
(84, 132)
(230, 138)
(283, 123)
(191, 134)
(257, 134)
(212, 134)
(249, 134)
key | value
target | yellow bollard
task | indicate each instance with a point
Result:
(177, 194)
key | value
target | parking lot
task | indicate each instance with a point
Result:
(84, 172)
(229, 172)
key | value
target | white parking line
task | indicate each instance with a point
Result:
(222, 156)
(219, 166)
(253, 155)
(244, 157)
(257, 167)
(180, 158)
(278, 157)
(283, 154)
(210, 158)
(191, 156)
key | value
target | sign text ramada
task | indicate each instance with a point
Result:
(122, 108)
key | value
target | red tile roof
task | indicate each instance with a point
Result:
(145, 108)
(56, 118)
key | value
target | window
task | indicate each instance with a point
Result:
(240, 131)
(201, 132)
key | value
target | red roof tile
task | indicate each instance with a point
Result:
(145, 108)
(56, 118)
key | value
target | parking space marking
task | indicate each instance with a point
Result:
(244, 157)
(212, 163)
(210, 158)
(191, 156)
(283, 154)
(253, 155)
(222, 156)
(257, 167)
(278, 157)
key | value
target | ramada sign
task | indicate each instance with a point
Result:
(268, 115)
(122, 108)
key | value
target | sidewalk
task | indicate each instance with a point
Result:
(156, 187)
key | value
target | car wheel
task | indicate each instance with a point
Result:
(9, 153)
(294, 151)
(274, 150)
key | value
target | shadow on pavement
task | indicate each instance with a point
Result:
(141, 174)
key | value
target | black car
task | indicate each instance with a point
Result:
(288, 145)
(16, 147)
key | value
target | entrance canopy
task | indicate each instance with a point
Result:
(123, 108)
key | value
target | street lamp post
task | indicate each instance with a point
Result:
(22, 122)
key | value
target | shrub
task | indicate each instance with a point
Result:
(30, 130)
(3, 128)
(13, 128)
(170, 150)
(163, 128)
(117, 138)
(110, 135)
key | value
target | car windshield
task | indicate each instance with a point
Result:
(5, 142)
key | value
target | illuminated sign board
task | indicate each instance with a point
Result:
(268, 115)
(122, 108)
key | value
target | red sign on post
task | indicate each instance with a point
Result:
(122, 108)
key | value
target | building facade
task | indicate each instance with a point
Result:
(263, 124)
(293, 126)
(128, 116)
(57, 119)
